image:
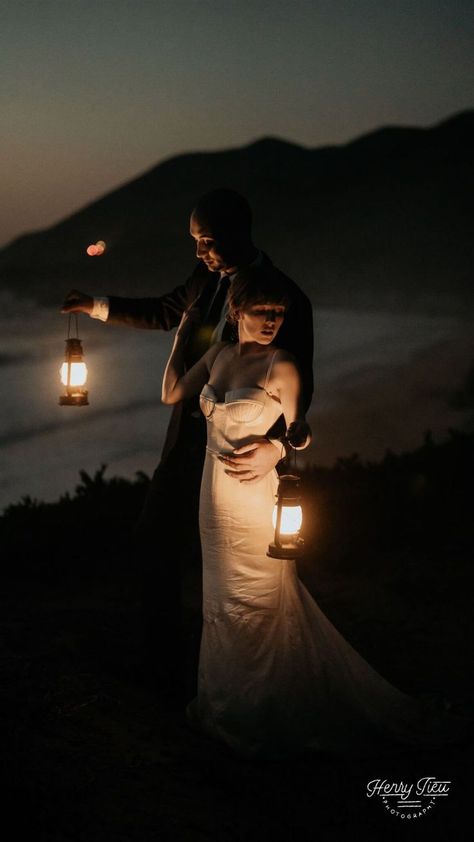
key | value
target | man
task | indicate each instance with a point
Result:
(221, 225)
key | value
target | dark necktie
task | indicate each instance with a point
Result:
(213, 315)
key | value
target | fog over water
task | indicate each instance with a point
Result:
(382, 380)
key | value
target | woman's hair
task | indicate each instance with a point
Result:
(256, 285)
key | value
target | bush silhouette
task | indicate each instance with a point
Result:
(356, 515)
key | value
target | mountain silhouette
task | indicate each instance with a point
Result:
(382, 222)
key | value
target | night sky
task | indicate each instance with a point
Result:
(91, 94)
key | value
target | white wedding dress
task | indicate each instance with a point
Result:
(274, 674)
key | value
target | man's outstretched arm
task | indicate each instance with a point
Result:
(159, 313)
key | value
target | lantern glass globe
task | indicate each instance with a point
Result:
(77, 376)
(291, 519)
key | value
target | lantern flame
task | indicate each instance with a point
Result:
(291, 519)
(78, 375)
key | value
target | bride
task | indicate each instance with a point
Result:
(274, 674)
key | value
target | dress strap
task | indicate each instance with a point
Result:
(269, 369)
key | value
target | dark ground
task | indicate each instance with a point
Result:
(92, 751)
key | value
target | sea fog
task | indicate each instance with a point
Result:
(381, 381)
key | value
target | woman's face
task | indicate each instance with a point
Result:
(260, 323)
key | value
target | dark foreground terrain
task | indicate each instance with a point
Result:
(92, 748)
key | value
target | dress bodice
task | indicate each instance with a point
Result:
(243, 413)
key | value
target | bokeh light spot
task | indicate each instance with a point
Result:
(96, 249)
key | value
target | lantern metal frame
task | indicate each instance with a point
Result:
(74, 395)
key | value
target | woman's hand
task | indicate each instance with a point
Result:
(298, 434)
(77, 302)
(190, 317)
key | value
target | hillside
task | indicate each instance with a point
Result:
(382, 222)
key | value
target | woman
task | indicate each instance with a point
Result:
(274, 673)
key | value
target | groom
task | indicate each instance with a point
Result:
(167, 532)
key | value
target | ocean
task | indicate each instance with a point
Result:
(381, 381)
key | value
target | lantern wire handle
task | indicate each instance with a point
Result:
(294, 455)
(69, 325)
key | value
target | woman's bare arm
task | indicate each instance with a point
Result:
(178, 385)
(286, 379)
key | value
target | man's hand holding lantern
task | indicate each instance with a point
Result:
(298, 434)
(77, 302)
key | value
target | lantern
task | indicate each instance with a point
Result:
(73, 372)
(287, 519)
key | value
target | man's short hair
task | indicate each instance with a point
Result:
(226, 212)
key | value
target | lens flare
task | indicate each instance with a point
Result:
(96, 249)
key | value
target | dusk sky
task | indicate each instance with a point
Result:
(92, 94)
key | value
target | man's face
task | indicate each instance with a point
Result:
(208, 248)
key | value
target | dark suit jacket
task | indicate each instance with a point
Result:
(295, 334)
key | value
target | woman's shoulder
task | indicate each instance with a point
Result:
(216, 348)
(284, 365)
(282, 356)
(213, 352)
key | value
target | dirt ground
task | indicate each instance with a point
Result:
(93, 753)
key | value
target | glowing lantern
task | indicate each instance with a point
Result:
(287, 519)
(73, 372)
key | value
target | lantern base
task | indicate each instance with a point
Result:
(286, 551)
(73, 400)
